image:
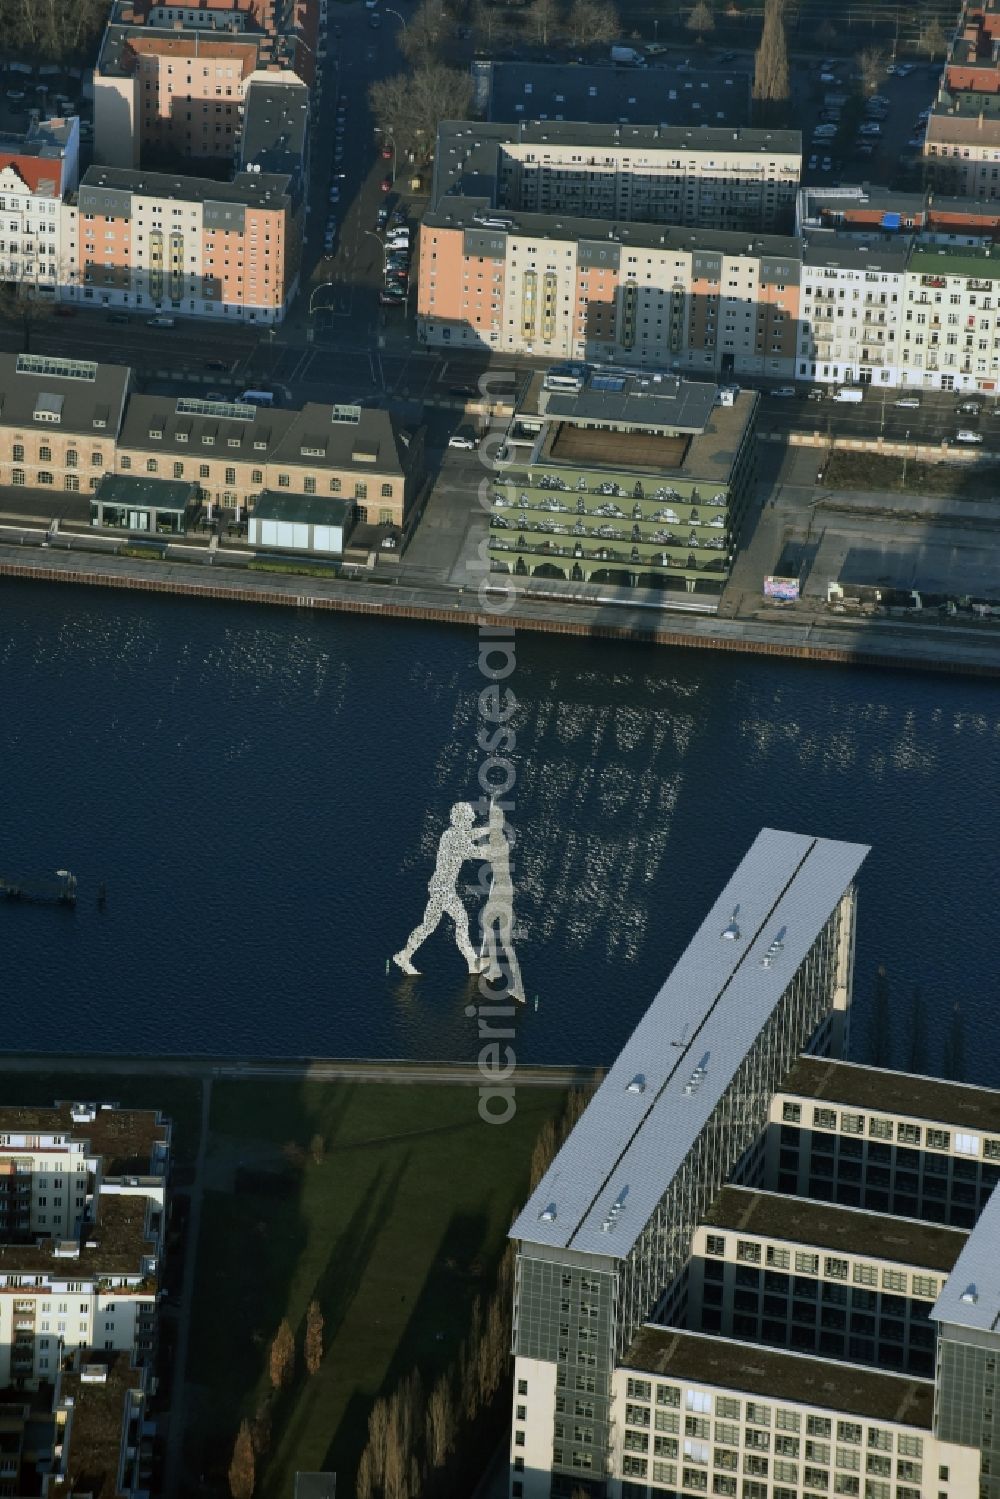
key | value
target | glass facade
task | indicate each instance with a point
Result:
(583, 1318)
(965, 1398)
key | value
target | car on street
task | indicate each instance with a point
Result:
(391, 299)
(784, 391)
(386, 184)
(119, 317)
(816, 394)
(161, 321)
(969, 408)
(468, 392)
(381, 218)
(338, 154)
(813, 163)
(463, 438)
(826, 164)
(967, 436)
(374, 21)
(16, 94)
(221, 366)
(386, 153)
(909, 403)
(334, 194)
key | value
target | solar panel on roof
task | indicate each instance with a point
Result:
(607, 382)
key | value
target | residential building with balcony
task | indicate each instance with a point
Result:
(950, 326)
(36, 171)
(635, 481)
(850, 310)
(604, 1236)
(97, 1289)
(104, 1435)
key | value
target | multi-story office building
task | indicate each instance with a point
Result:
(818, 1278)
(65, 423)
(886, 1141)
(682, 1109)
(706, 1415)
(636, 481)
(59, 420)
(967, 1316)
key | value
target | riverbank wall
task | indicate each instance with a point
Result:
(946, 647)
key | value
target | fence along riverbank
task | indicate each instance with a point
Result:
(873, 643)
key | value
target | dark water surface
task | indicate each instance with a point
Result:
(263, 794)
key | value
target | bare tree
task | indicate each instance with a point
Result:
(871, 65)
(261, 1429)
(593, 21)
(932, 39)
(442, 1423)
(242, 1471)
(701, 18)
(543, 18)
(770, 74)
(378, 1431)
(487, 20)
(364, 1482)
(20, 303)
(410, 106)
(282, 1357)
(421, 37)
(314, 1338)
(542, 1155)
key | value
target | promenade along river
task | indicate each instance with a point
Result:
(263, 796)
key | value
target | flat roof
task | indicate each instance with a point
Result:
(956, 260)
(778, 1374)
(970, 1296)
(145, 491)
(801, 1220)
(254, 189)
(615, 449)
(96, 1429)
(886, 1092)
(305, 509)
(628, 1145)
(603, 94)
(115, 1244)
(123, 1138)
(650, 401)
(825, 247)
(275, 123)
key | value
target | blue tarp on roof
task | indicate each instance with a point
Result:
(891, 221)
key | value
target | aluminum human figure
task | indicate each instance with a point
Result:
(498, 913)
(461, 841)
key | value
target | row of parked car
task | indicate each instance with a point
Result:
(391, 223)
(340, 127)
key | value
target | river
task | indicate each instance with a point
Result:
(263, 793)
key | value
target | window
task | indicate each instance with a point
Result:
(835, 1269)
(824, 1119)
(715, 1244)
(748, 1251)
(178, 470)
(852, 1124)
(387, 491)
(695, 1400)
(72, 458)
(360, 491)
(880, 1129)
(966, 1144)
(806, 1264)
(908, 1134)
(151, 465)
(18, 452)
(791, 1113)
(44, 453)
(937, 1139)
(522, 1387)
(778, 1259)
(927, 1287)
(639, 1389)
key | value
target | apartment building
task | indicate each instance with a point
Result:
(702, 176)
(234, 452)
(950, 331)
(156, 242)
(631, 480)
(607, 1230)
(850, 306)
(916, 1147)
(36, 171)
(697, 1415)
(699, 301)
(817, 1278)
(95, 1290)
(868, 213)
(59, 420)
(103, 1434)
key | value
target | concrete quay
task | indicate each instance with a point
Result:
(945, 647)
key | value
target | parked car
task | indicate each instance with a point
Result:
(221, 366)
(783, 391)
(813, 163)
(389, 298)
(386, 184)
(381, 218)
(463, 438)
(374, 21)
(909, 403)
(161, 321)
(386, 153)
(969, 408)
(968, 437)
(826, 164)
(123, 317)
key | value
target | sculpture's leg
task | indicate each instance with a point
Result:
(456, 910)
(404, 958)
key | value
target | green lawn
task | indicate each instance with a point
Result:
(177, 1098)
(395, 1233)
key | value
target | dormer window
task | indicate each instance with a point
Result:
(208, 440)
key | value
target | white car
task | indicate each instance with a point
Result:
(826, 164)
(911, 403)
(966, 436)
(785, 391)
(462, 440)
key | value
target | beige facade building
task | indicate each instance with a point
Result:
(59, 420)
(697, 1415)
